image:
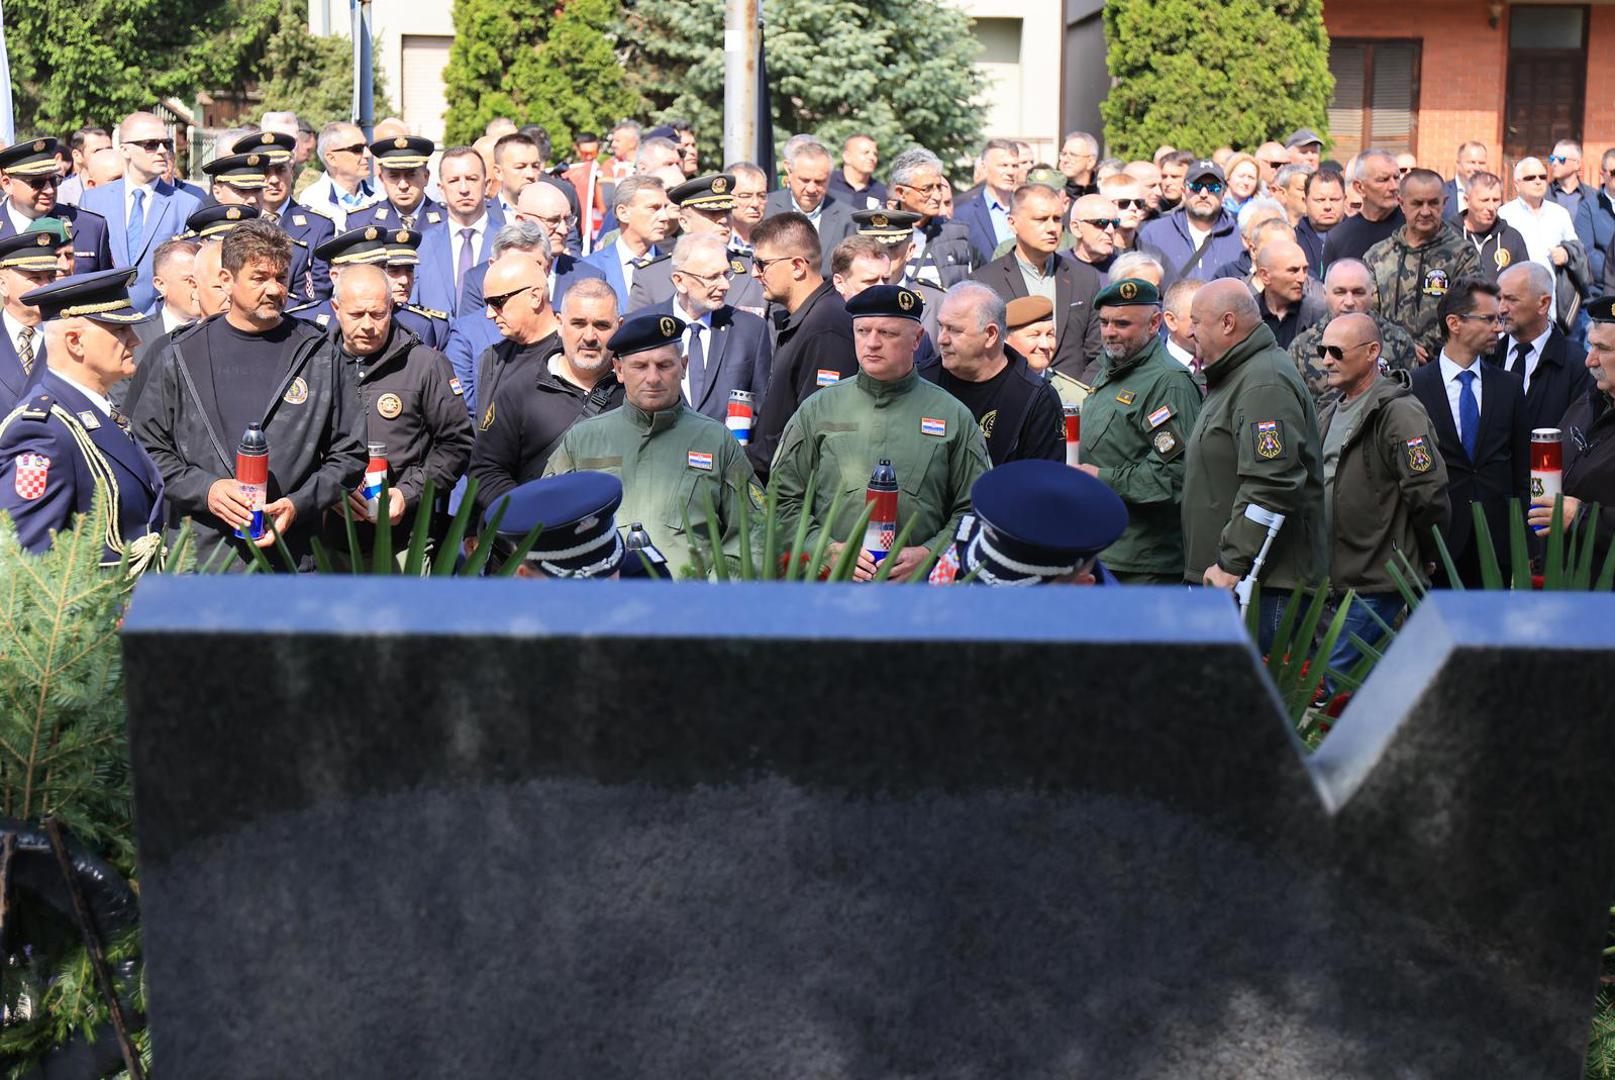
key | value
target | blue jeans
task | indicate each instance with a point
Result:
(1269, 613)
(1386, 605)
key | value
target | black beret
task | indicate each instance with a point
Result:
(890, 301)
(644, 331)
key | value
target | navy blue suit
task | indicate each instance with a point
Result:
(739, 356)
(974, 215)
(609, 266)
(427, 214)
(45, 478)
(564, 270)
(434, 277)
(310, 274)
(14, 382)
(165, 217)
(91, 249)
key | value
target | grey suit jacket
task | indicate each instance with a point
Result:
(653, 284)
(835, 221)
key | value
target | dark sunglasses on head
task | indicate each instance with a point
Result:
(1533, 176)
(1130, 204)
(151, 146)
(1213, 186)
(498, 303)
(1102, 223)
(37, 182)
(1337, 352)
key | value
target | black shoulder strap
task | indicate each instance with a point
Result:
(593, 405)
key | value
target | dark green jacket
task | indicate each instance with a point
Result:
(1390, 489)
(1134, 428)
(1256, 442)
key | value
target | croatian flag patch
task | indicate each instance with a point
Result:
(929, 426)
(828, 377)
(32, 472)
(1160, 416)
(699, 460)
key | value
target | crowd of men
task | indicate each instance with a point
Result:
(1269, 352)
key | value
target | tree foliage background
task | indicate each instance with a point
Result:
(1200, 75)
(535, 62)
(900, 70)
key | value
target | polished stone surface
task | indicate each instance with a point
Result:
(452, 828)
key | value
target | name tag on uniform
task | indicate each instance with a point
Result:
(930, 426)
(1160, 416)
(828, 377)
(699, 460)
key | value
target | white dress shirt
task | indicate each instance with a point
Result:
(1450, 371)
(626, 257)
(694, 326)
(1543, 229)
(1180, 354)
(19, 223)
(172, 322)
(1532, 359)
(98, 399)
(812, 215)
(479, 229)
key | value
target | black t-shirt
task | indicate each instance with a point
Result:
(246, 372)
(1352, 238)
(1015, 428)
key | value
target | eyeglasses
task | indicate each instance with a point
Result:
(1490, 320)
(928, 189)
(1131, 204)
(151, 146)
(356, 148)
(38, 182)
(497, 303)
(725, 274)
(558, 222)
(1213, 187)
(1101, 223)
(1338, 352)
(1533, 176)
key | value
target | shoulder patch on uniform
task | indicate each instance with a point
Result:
(454, 384)
(699, 459)
(296, 393)
(930, 425)
(1127, 397)
(432, 217)
(1419, 459)
(33, 473)
(1160, 416)
(323, 319)
(1268, 437)
(430, 313)
(828, 377)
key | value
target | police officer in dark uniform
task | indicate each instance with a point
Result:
(67, 441)
(28, 175)
(895, 229)
(401, 165)
(1034, 522)
(704, 206)
(395, 251)
(432, 327)
(1588, 431)
(407, 394)
(310, 274)
(579, 539)
(238, 179)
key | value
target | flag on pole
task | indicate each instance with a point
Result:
(8, 120)
(765, 111)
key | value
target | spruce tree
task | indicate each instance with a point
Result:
(1199, 76)
(534, 63)
(899, 70)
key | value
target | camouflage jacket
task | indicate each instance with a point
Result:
(1396, 351)
(1412, 280)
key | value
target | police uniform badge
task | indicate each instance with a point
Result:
(1269, 437)
(1502, 258)
(432, 217)
(233, 214)
(879, 221)
(487, 419)
(454, 385)
(737, 265)
(389, 406)
(1419, 459)
(400, 143)
(299, 220)
(1435, 283)
(371, 233)
(297, 392)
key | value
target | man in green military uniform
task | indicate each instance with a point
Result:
(1415, 266)
(886, 412)
(1134, 426)
(671, 459)
(1255, 445)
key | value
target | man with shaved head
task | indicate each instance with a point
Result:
(542, 205)
(1415, 266)
(409, 398)
(1385, 485)
(1545, 224)
(1254, 451)
(1281, 280)
(1348, 288)
(1094, 221)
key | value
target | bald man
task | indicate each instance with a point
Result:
(1094, 220)
(1255, 445)
(1281, 280)
(545, 206)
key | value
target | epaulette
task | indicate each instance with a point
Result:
(36, 408)
(428, 312)
(300, 308)
(658, 259)
(312, 210)
(296, 241)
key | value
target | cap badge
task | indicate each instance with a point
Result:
(905, 300)
(879, 221)
(719, 185)
(401, 236)
(400, 143)
(268, 138)
(39, 146)
(234, 213)
(1128, 290)
(44, 239)
(668, 327)
(252, 159)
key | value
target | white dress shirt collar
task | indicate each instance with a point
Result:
(100, 400)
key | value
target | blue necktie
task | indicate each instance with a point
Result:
(137, 224)
(1468, 413)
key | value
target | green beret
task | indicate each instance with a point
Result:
(1128, 292)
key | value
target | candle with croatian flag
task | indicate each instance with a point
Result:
(252, 476)
(375, 474)
(881, 532)
(1073, 434)
(738, 420)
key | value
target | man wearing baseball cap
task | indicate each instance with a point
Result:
(1198, 236)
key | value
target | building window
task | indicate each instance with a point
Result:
(1376, 102)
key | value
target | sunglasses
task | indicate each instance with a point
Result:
(38, 182)
(356, 148)
(151, 146)
(1101, 223)
(1201, 186)
(1276, 163)
(1557, 159)
(497, 303)
(1533, 176)
(1337, 352)
(1131, 204)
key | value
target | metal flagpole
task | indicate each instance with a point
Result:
(741, 32)
(363, 69)
(8, 119)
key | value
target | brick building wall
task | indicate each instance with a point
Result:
(1463, 73)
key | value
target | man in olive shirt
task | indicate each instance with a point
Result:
(672, 460)
(885, 412)
(1255, 444)
(1134, 425)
